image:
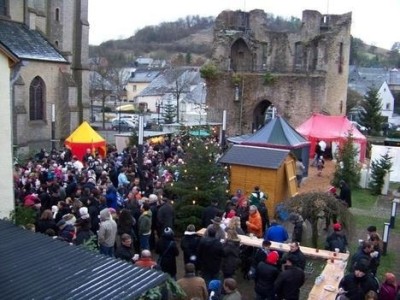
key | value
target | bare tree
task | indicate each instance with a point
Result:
(106, 82)
(181, 86)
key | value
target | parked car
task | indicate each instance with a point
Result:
(133, 118)
(122, 125)
(359, 127)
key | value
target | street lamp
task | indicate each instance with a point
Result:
(53, 126)
(385, 238)
(158, 107)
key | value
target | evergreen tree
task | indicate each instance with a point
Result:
(188, 58)
(379, 168)
(347, 167)
(371, 116)
(200, 178)
(169, 113)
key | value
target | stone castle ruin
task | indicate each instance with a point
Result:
(291, 73)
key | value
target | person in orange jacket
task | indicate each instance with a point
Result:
(254, 223)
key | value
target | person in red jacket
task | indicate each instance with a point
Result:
(254, 223)
(145, 260)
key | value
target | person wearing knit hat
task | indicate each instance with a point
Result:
(189, 244)
(337, 239)
(265, 275)
(272, 258)
(389, 288)
(153, 198)
(337, 227)
(358, 283)
(214, 289)
(83, 226)
(83, 212)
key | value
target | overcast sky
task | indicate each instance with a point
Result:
(375, 22)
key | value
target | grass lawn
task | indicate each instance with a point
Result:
(362, 199)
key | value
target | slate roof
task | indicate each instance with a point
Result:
(277, 132)
(35, 266)
(27, 44)
(361, 79)
(143, 76)
(254, 156)
(166, 82)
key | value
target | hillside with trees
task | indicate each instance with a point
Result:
(191, 37)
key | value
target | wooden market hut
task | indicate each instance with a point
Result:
(273, 170)
(279, 134)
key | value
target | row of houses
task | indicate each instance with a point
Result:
(155, 89)
(151, 87)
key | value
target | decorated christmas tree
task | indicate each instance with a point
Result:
(200, 179)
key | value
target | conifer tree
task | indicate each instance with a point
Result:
(347, 167)
(371, 116)
(379, 168)
(200, 178)
(169, 113)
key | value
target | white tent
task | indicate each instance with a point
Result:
(377, 151)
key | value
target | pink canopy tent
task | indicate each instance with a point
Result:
(331, 129)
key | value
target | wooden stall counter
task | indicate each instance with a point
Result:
(330, 276)
(326, 284)
(308, 251)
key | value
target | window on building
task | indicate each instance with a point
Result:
(387, 106)
(264, 55)
(57, 15)
(37, 99)
(56, 43)
(340, 58)
(3, 8)
(134, 88)
(298, 56)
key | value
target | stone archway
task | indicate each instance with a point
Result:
(260, 114)
(241, 58)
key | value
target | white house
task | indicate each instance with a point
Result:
(172, 85)
(387, 100)
(9, 69)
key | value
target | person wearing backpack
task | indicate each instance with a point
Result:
(337, 239)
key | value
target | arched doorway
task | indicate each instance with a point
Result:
(241, 59)
(260, 114)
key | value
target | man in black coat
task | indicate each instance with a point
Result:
(292, 277)
(265, 275)
(210, 254)
(125, 251)
(165, 216)
(362, 256)
(358, 283)
(210, 212)
(345, 193)
(297, 257)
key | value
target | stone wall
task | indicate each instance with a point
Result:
(306, 70)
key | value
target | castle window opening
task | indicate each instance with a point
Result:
(340, 58)
(57, 14)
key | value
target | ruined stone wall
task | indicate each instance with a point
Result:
(287, 94)
(309, 68)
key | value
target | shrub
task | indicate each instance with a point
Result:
(209, 71)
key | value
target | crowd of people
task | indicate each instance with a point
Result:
(122, 209)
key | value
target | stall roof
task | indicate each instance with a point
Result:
(35, 266)
(254, 156)
(277, 132)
